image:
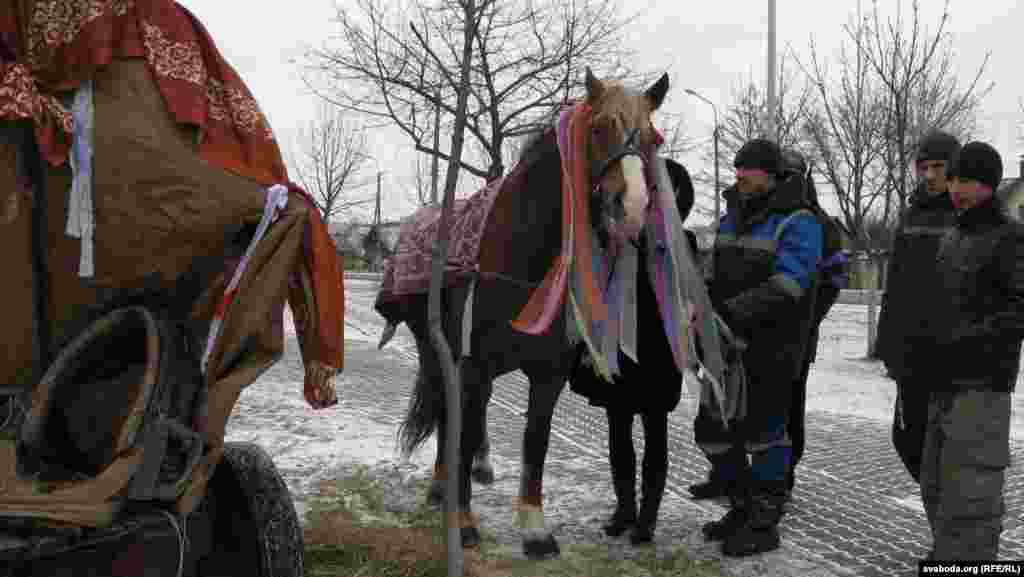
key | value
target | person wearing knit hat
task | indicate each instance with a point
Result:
(977, 171)
(767, 250)
(905, 330)
(976, 359)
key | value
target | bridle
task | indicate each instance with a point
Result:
(612, 207)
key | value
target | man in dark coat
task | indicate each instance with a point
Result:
(650, 387)
(768, 247)
(795, 170)
(978, 333)
(905, 324)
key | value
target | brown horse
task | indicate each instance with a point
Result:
(530, 234)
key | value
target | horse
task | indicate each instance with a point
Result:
(530, 241)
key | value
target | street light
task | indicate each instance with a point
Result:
(718, 199)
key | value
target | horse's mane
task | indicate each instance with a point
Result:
(534, 143)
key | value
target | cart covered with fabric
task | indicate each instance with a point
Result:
(131, 152)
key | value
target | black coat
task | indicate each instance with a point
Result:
(906, 323)
(652, 385)
(980, 327)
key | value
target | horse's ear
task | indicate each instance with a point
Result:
(595, 88)
(656, 94)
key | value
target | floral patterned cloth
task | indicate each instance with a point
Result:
(67, 41)
(409, 271)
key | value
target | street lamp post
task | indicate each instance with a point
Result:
(718, 195)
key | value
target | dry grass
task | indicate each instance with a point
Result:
(350, 534)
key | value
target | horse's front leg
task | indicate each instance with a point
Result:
(538, 542)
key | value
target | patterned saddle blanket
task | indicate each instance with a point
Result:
(408, 272)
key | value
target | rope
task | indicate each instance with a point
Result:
(180, 532)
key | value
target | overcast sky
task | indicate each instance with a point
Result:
(713, 47)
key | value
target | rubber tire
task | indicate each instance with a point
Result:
(268, 510)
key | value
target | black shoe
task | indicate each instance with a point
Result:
(624, 516)
(760, 531)
(726, 526)
(654, 489)
(711, 489)
(750, 540)
(620, 522)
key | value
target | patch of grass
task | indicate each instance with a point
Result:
(349, 533)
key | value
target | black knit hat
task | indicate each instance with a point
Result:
(761, 154)
(683, 187)
(979, 161)
(938, 145)
(793, 162)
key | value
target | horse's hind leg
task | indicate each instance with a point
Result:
(437, 482)
(476, 394)
(483, 470)
(538, 542)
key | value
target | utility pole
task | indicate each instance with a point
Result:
(437, 144)
(376, 227)
(718, 195)
(770, 128)
(376, 211)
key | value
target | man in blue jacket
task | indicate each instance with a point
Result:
(768, 247)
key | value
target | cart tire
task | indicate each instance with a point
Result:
(268, 510)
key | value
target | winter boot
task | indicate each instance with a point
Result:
(625, 509)
(653, 490)
(760, 531)
(735, 517)
(725, 469)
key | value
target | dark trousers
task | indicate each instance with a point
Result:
(620, 445)
(763, 433)
(910, 418)
(797, 415)
(966, 452)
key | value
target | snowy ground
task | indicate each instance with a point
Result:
(309, 445)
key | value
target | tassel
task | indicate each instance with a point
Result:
(319, 386)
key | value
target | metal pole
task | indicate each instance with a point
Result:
(437, 145)
(715, 134)
(770, 128)
(718, 190)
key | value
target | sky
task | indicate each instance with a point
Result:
(711, 47)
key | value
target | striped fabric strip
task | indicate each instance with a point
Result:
(277, 199)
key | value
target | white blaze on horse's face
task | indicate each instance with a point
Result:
(635, 199)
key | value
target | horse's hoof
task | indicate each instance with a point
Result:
(483, 473)
(470, 537)
(435, 497)
(541, 549)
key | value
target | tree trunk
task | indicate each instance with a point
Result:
(449, 370)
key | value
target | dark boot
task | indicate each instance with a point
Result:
(713, 488)
(625, 509)
(734, 518)
(653, 490)
(760, 532)
(725, 469)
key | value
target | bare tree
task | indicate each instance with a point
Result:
(332, 156)
(472, 17)
(742, 120)
(918, 81)
(846, 128)
(525, 58)
(678, 141)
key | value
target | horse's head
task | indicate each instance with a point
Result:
(621, 130)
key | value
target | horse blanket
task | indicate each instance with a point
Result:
(408, 272)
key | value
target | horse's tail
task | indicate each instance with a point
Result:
(426, 404)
